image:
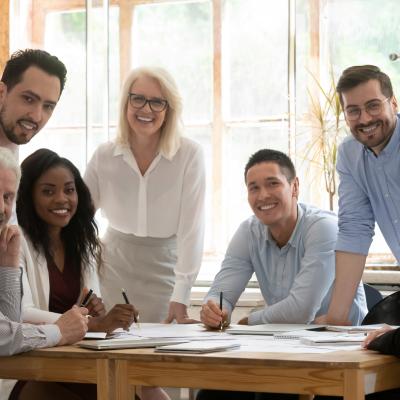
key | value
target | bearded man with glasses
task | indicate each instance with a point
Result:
(369, 191)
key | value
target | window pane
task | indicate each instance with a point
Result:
(178, 37)
(352, 41)
(254, 58)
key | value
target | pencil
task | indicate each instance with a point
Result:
(135, 318)
(86, 299)
(221, 298)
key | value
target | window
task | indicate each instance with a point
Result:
(242, 66)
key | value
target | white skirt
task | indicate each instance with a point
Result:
(144, 267)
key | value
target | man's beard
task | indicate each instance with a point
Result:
(9, 131)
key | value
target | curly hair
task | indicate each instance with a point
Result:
(80, 236)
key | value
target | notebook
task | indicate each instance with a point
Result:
(270, 329)
(132, 343)
(355, 329)
(204, 346)
(328, 340)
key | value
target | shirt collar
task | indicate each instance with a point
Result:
(126, 153)
(294, 237)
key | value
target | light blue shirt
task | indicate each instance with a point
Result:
(369, 191)
(295, 280)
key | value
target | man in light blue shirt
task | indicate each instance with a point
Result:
(289, 246)
(369, 170)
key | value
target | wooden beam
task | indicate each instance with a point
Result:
(217, 124)
(4, 32)
(126, 10)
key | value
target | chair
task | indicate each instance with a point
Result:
(372, 295)
(385, 311)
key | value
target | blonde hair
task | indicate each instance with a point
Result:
(171, 129)
(8, 161)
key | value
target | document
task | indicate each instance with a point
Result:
(203, 346)
(270, 329)
(95, 335)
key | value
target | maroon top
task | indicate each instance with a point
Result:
(65, 286)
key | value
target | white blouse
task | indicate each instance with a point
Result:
(167, 200)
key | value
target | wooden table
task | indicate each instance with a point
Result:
(349, 374)
(63, 364)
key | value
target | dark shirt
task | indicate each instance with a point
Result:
(388, 343)
(64, 286)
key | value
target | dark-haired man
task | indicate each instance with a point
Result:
(369, 190)
(30, 87)
(288, 245)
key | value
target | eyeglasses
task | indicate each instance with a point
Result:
(138, 101)
(373, 108)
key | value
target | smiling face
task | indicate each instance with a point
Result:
(372, 131)
(26, 108)
(272, 198)
(144, 122)
(55, 198)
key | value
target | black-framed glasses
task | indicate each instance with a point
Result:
(139, 101)
(373, 108)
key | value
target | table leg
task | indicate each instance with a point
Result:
(123, 391)
(353, 385)
(105, 380)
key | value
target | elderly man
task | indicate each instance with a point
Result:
(16, 337)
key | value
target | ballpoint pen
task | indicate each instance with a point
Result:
(86, 299)
(221, 298)
(135, 318)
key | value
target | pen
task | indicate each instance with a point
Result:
(221, 298)
(135, 318)
(86, 299)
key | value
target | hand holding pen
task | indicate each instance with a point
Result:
(136, 313)
(213, 314)
(93, 303)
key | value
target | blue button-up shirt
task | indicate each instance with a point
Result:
(369, 191)
(295, 280)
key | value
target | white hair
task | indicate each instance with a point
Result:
(8, 161)
(171, 129)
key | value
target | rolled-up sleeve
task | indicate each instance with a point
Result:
(356, 217)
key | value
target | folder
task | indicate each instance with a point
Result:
(204, 346)
(134, 343)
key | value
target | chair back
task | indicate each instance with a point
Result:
(385, 311)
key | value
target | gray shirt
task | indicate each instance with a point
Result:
(17, 337)
(295, 280)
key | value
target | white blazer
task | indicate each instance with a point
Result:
(36, 286)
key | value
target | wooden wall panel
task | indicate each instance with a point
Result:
(4, 32)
